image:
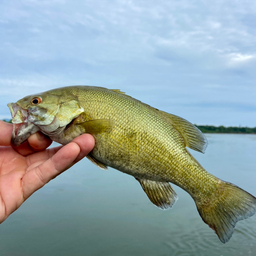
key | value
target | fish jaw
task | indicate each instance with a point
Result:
(21, 132)
(19, 115)
(22, 129)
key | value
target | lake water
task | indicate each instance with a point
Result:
(88, 211)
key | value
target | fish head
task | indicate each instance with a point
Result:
(49, 112)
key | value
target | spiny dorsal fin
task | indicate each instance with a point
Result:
(117, 90)
(159, 193)
(96, 162)
(127, 96)
(193, 137)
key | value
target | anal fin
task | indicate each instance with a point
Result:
(159, 193)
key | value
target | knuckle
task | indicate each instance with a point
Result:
(40, 175)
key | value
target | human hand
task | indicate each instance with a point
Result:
(27, 168)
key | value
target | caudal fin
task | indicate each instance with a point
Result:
(223, 212)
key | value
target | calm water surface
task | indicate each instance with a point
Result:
(88, 211)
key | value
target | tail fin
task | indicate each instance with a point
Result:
(230, 205)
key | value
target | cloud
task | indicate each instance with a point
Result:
(239, 59)
(168, 53)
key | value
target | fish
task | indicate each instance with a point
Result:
(139, 140)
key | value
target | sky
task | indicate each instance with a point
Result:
(192, 58)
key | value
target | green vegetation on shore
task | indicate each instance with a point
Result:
(223, 129)
(7, 121)
(214, 129)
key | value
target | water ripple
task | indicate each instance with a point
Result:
(200, 241)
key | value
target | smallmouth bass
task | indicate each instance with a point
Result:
(138, 140)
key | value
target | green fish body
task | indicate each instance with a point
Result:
(139, 140)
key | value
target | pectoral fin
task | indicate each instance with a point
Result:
(160, 194)
(96, 126)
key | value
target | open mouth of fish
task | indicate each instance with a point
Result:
(22, 128)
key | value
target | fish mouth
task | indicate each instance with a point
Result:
(22, 128)
(19, 115)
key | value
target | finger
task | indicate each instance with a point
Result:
(6, 136)
(86, 143)
(24, 149)
(42, 174)
(6, 133)
(36, 142)
(34, 160)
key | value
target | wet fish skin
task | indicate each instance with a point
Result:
(139, 140)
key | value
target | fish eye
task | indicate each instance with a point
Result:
(36, 101)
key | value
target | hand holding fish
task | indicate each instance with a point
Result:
(27, 168)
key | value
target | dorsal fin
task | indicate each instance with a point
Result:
(193, 137)
(117, 90)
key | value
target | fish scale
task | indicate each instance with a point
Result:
(139, 140)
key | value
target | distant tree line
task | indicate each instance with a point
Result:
(7, 121)
(223, 129)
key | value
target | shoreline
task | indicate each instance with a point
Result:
(211, 129)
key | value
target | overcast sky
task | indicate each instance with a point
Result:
(192, 58)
